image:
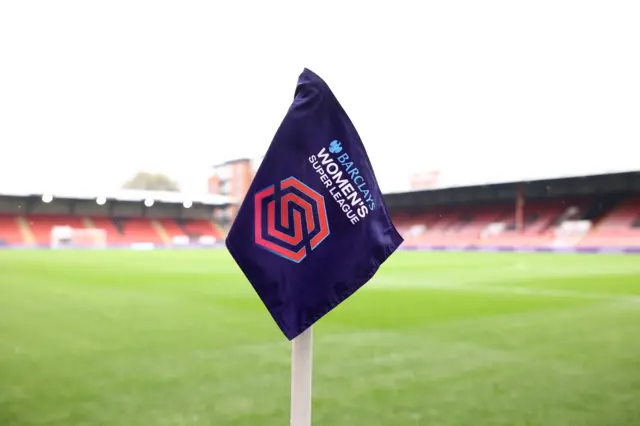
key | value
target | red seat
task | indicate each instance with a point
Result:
(616, 229)
(202, 227)
(140, 231)
(463, 225)
(172, 228)
(10, 231)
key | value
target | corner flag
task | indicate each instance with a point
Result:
(313, 227)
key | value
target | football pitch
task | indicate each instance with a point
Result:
(173, 338)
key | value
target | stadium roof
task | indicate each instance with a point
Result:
(454, 183)
(129, 195)
(507, 191)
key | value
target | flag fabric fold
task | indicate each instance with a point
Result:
(313, 227)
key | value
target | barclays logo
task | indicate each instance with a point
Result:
(335, 147)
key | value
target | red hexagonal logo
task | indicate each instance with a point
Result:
(290, 220)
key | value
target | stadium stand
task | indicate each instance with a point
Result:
(619, 227)
(120, 220)
(592, 211)
(119, 230)
(466, 225)
(584, 212)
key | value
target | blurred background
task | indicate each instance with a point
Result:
(504, 135)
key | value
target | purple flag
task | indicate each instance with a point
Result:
(313, 227)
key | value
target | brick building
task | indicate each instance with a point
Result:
(232, 178)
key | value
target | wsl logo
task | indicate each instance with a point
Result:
(290, 219)
(345, 182)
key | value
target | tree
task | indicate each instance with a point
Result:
(151, 182)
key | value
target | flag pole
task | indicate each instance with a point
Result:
(301, 362)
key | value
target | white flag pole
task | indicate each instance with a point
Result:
(301, 362)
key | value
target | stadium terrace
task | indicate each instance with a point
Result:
(586, 213)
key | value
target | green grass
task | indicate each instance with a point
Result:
(121, 338)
